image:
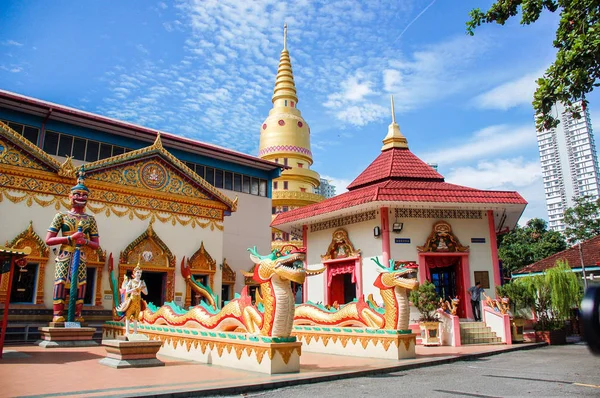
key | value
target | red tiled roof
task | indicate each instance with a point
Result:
(401, 191)
(591, 256)
(395, 164)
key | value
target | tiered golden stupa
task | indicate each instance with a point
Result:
(285, 139)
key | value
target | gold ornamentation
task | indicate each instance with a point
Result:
(67, 169)
(32, 176)
(260, 353)
(297, 196)
(39, 254)
(22, 153)
(201, 263)
(152, 254)
(438, 213)
(340, 246)
(157, 149)
(339, 222)
(286, 353)
(228, 273)
(442, 239)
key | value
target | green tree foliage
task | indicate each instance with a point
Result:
(426, 300)
(519, 297)
(526, 245)
(582, 221)
(553, 294)
(576, 69)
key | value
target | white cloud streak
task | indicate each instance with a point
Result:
(511, 94)
(492, 140)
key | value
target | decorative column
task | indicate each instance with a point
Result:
(385, 235)
(305, 245)
(494, 248)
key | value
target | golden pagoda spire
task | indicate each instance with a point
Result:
(285, 138)
(285, 88)
(394, 137)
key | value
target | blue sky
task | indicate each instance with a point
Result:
(206, 70)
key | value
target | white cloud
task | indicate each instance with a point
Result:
(391, 79)
(12, 68)
(485, 142)
(512, 174)
(362, 115)
(511, 94)
(11, 43)
(497, 174)
(142, 49)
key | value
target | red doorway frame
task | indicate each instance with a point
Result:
(354, 262)
(466, 276)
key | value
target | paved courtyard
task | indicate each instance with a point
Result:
(545, 372)
(34, 371)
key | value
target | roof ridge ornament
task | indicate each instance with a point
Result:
(394, 137)
(157, 142)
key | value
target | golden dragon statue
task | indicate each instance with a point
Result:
(272, 315)
(394, 282)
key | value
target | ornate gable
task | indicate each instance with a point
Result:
(202, 262)
(16, 150)
(29, 238)
(340, 246)
(148, 249)
(228, 274)
(39, 254)
(155, 171)
(442, 239)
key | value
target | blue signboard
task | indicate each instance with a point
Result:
(477, 240)
(402, 240)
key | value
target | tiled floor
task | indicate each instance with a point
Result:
(35, 371)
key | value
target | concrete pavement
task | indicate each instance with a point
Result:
(31, 371)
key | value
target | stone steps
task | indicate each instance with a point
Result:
(477, 333)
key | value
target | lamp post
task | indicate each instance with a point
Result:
(585, 283)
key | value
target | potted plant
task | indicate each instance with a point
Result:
(426, 300)
(518, 298)
(554, 294)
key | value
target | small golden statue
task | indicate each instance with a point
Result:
(132, 303)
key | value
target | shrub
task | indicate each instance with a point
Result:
(427, 301)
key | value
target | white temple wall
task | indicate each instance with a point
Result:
(115, 234)
(418, 230)
(247, 227)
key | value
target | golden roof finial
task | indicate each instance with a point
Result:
(157, 141)
(285, 36)
(394, 137)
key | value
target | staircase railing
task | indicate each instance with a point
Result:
(450, 329)
(499, 323)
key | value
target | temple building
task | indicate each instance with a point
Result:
(285, 139)
(400, 208)
(160, 200)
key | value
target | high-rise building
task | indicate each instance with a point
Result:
(285, 139)
(326, 189)
(569, 163)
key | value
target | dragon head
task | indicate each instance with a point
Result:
(287, 263)
(402, 274)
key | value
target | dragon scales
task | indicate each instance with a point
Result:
(393, 282)
(272, 316)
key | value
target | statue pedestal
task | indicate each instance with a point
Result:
(357, 342)
(271, 355)
(138, 352)
(62, 334)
